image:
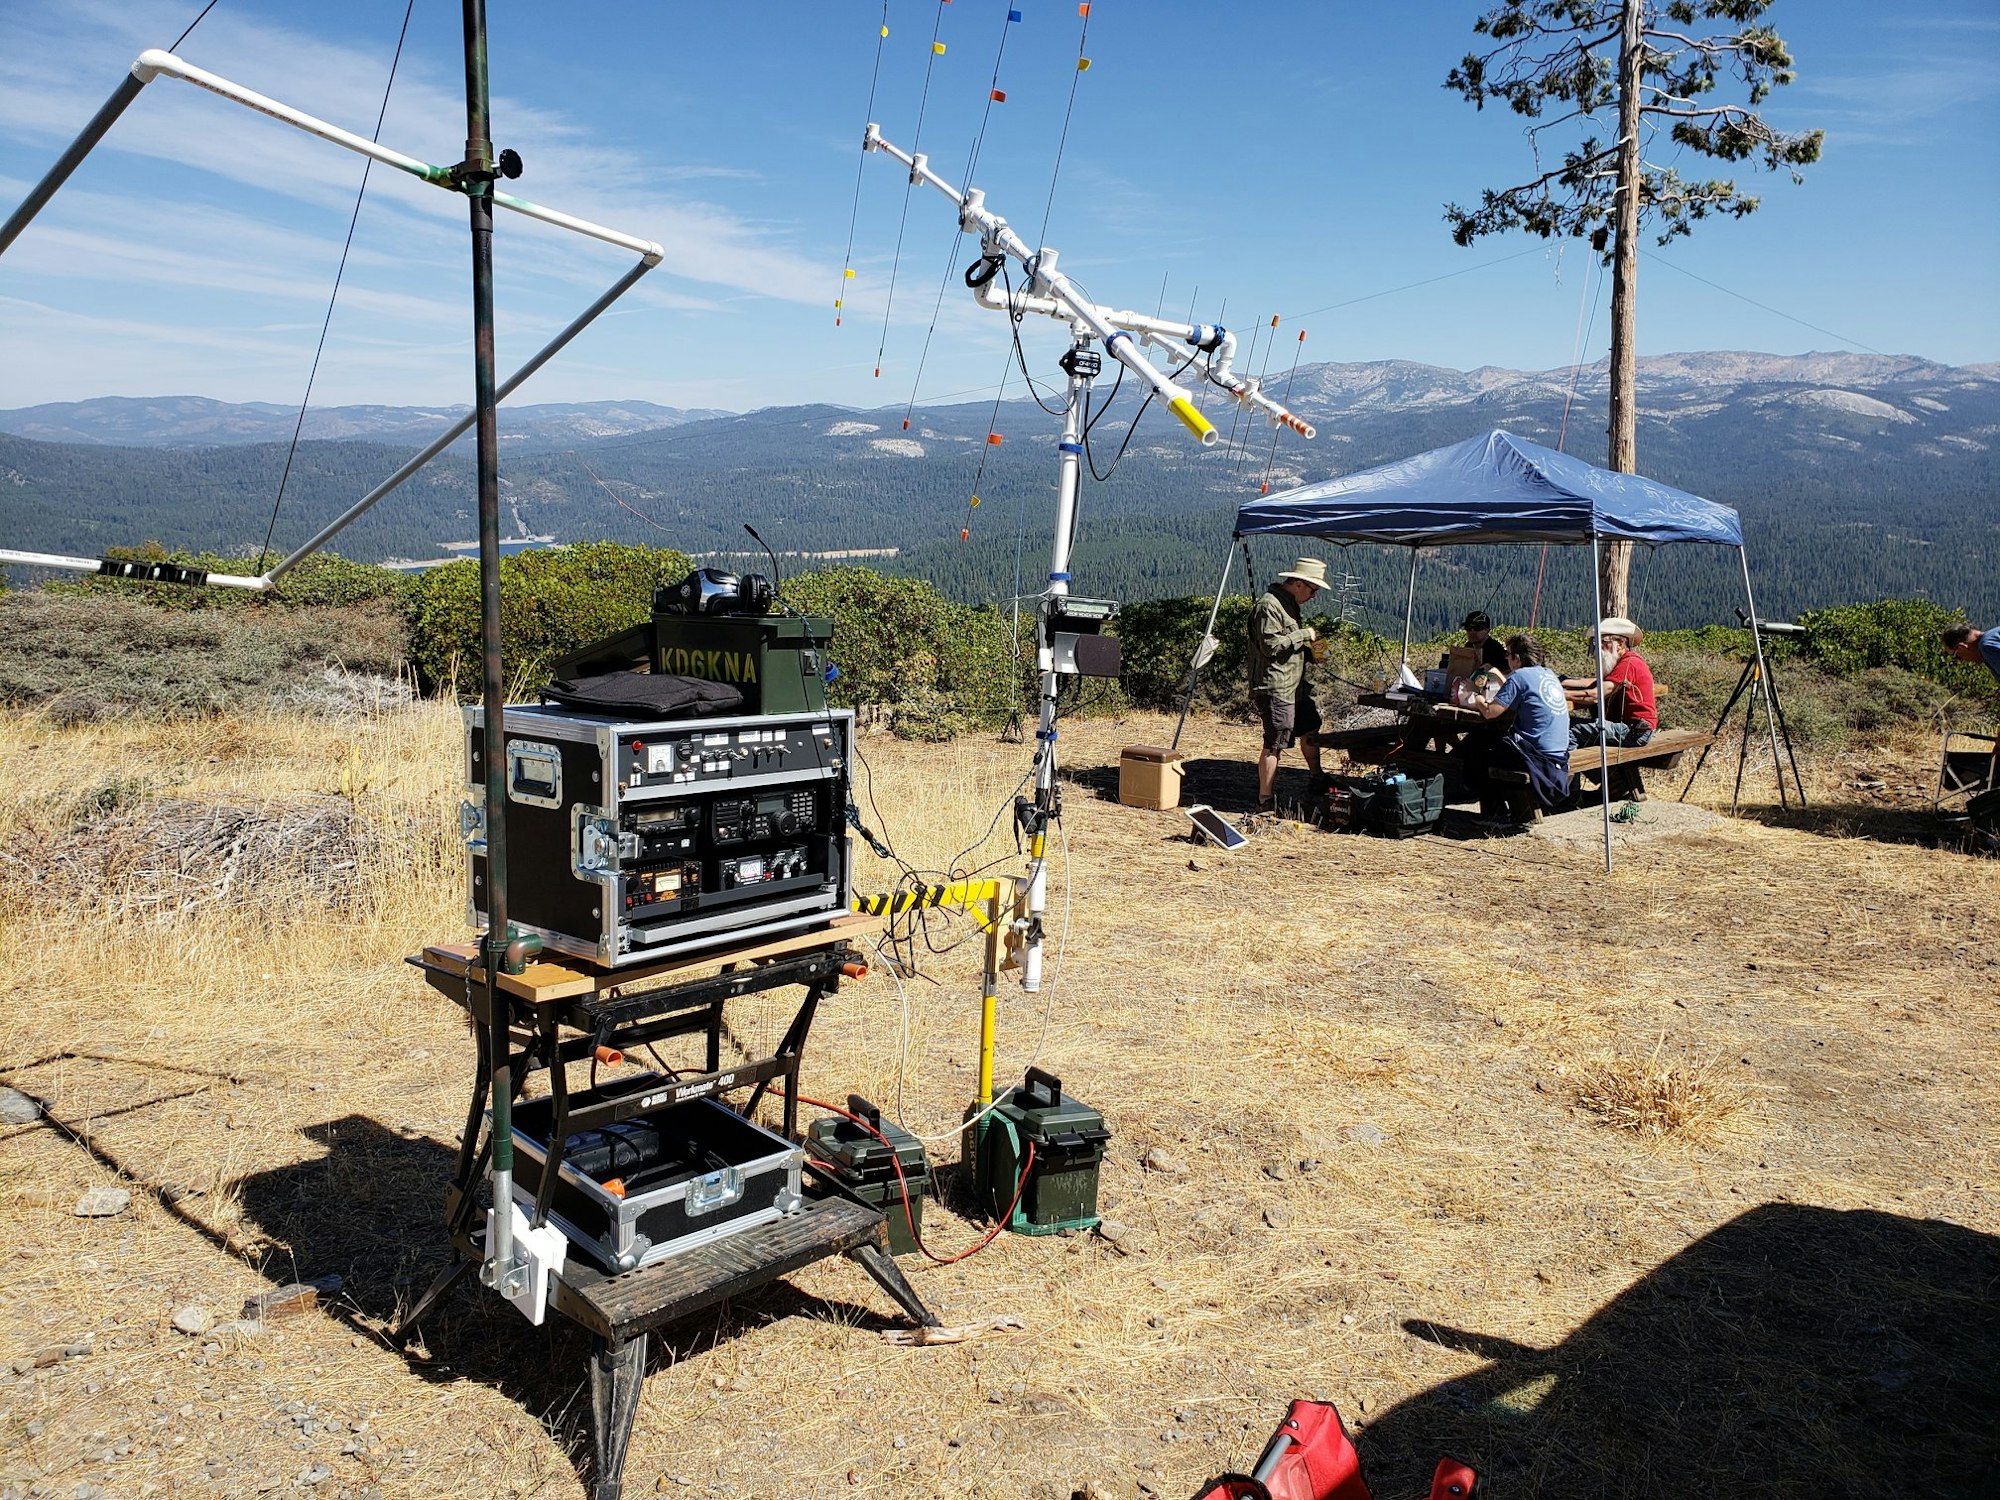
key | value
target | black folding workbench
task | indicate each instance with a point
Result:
(562, 1013)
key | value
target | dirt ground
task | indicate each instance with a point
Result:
(1681, 1181)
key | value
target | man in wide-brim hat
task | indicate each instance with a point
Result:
(1280, 641)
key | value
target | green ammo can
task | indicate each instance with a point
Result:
(777, 661)
(866, 1169)
(1068, 1138)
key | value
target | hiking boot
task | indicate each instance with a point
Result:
(1639, 736)
(1267, 808)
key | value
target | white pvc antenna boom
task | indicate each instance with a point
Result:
(1052, 294)
(155, 63)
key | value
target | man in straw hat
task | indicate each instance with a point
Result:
(1629, 695)
(1279, 643)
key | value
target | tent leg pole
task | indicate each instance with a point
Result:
(1194, 668)
(1764, 676)
(1603, 742)
(1409, 608)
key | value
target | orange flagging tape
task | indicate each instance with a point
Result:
(906, 424)
(965, 534)
(999, 96)
(993, 439)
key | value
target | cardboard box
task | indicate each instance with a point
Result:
(1149, 776)
(1459, 668)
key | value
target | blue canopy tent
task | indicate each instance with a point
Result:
(1494, 489)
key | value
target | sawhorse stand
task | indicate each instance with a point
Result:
(561, 1014)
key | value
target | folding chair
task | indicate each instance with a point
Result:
(1968, 765)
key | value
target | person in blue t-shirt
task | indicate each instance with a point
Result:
(1538, 743)
(1968, 643)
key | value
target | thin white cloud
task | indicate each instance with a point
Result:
(570, 168)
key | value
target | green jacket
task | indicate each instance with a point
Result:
(1277, 647)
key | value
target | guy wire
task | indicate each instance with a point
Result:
(191, 26)
(1583, 333)
(1249, 419)
(951, 250)
(1298, 347)
(616, 498)
(860, 165)
(903, 219)
(1082, 62)
(326, 323)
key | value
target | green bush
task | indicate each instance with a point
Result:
(1906, 633)
(1157, 640)
(552, 602)
(942, 668)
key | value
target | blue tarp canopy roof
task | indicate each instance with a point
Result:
(1496, 488)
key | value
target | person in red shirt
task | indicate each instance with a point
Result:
(1631, 709)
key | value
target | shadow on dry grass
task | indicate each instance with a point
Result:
(1794, 1351)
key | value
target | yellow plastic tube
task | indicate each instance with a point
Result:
(1194, 421)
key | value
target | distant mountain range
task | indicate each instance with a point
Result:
(1857, 476)
(197, 422)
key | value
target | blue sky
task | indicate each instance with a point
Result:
(1260, 157)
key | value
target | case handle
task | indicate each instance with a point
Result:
(1048, 1082)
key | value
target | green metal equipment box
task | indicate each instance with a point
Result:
(866, 1169)
(778, 662)
(1068, 1138)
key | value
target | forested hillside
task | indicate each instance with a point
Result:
(1847, 494)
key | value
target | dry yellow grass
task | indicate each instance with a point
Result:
(1358, 1053)
(1661, 1095)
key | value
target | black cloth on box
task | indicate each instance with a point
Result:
(649, 695)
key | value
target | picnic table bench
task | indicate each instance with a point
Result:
(1663, 751)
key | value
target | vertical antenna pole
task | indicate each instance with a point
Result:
(476, 180)
(1069, 469)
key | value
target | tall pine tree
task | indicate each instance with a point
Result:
(1565, 66)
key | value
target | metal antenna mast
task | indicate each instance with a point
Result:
(1123, 334)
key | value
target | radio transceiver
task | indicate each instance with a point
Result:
(630, 840)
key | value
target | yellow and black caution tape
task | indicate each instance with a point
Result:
(960, 893)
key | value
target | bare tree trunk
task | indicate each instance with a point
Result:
(1615, 566)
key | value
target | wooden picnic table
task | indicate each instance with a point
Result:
(1417, 706)
(1423, 721)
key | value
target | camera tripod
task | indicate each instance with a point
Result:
(1749, 684)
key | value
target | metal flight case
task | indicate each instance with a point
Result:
(670, 1180)
(631, 840)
